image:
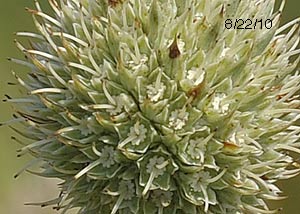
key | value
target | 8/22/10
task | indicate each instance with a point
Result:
(248, 24)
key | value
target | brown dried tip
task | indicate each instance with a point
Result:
(194, 92)
(222, 12)
(113, 3)
(31, 10)
(7, 96)
(54, 3)
(230, 146)
(174, 50)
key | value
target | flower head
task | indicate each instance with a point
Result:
(155, 106)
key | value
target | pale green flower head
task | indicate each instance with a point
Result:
(161, 106)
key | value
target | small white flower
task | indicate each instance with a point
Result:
(118, 108)
(138, 63)
(224, 51)
(156, 93)
(217, 103)
(178, 119)
(199, 179)
(181, 44)
(198, 16)
(136, 135)
(85, 127)
(107, 157)
(195, 149)
(153, 166)
(196, 75)
(127, 188)
(237, 138)
(161, 198)
(138, 132)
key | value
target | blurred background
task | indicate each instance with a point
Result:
(28, 188)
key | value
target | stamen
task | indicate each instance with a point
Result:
(21, 62)
(95, 150)
(55, 7)
(127, 140)
(35, 144)
(52, 71)
(287, 147)
(83, 67)
(30, 34)
(262, 211)
(148, 185)
(25, 85)
(217, 177)
(108, 96)
(99, 106)
(28, 165)
(206, 202)
(45, 16)
(84, 28)
(92, 60)
(66, 129)
(15, 120)
(48, 90)
(71, 37)
(118, 203)
(87, 169)
(286, 26)
(43, 54)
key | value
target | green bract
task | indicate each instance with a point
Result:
(154, 106)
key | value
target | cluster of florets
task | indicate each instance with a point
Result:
(155, 107)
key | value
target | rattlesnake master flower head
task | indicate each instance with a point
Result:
(152, 106)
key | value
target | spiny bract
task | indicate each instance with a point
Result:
(154, 106)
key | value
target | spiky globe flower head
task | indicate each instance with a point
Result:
(155, 106)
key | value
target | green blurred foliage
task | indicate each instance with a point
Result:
(28, 188)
